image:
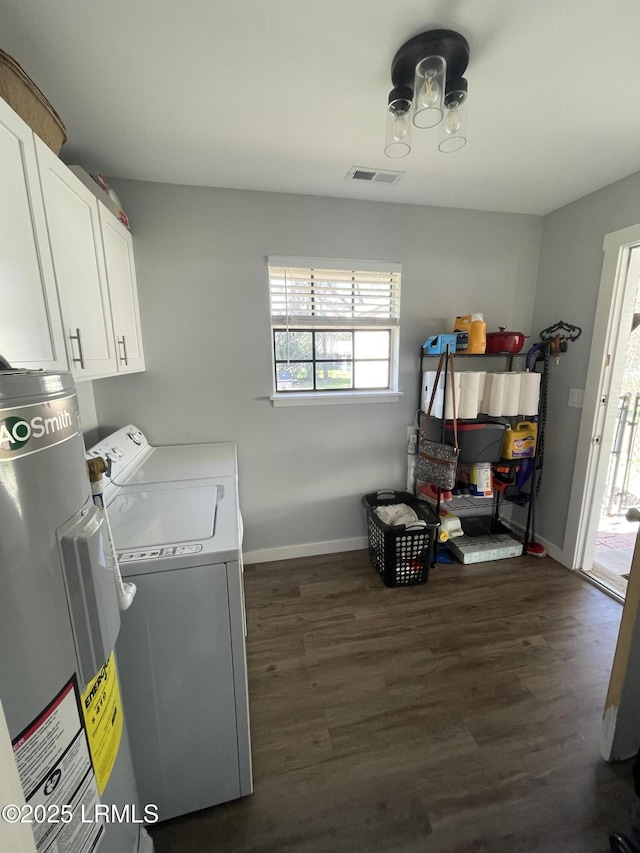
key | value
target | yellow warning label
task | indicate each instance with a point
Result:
(102, 710)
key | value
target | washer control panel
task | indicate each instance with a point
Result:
(155, 553)
(119, 449)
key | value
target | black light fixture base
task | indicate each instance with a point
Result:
(456, 91)
(401, 95)
(446, 43)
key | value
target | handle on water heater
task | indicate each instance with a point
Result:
(125, 591)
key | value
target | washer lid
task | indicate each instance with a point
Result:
(160, 517)
(169, 463)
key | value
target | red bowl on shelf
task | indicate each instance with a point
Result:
(504, 341)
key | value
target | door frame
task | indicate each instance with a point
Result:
(604, 376)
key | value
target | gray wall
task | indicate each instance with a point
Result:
(201, 263)
(568, 284)
(88, 413)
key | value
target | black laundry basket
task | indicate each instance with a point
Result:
(401, 556)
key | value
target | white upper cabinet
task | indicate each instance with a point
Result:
(68, 292)
(76, 249)
(30, 326)
(123, 292)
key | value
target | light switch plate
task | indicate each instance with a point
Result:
(576, 397)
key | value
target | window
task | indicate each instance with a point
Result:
(334, 328)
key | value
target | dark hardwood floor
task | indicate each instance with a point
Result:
(459, 716)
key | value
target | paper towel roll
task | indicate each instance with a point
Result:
(469, 394)
(428, 380)
(437, 404)
(529, 394)
(484, 402)
(511, 395)
(496, 395)
(483, 378)
(504, 394)
(448, 411)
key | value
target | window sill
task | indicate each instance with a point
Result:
(327, 398)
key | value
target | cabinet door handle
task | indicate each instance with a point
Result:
(123, 343)
(80, 360)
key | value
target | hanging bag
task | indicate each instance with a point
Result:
(437, 461)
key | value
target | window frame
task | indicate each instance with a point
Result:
(333, 323)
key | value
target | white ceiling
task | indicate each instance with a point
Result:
(287, 95)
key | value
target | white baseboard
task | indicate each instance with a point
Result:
(555, 552)
(308, 549)
(551, 549)
(334, 546)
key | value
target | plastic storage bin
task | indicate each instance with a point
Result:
(401, 556)
(479, 441)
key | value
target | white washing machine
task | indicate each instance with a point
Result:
(176, 524)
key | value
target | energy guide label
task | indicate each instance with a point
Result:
(102, 712)
(57, 777)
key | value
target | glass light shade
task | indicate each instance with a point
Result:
(398, 133)
(453, 132)
(428, 89)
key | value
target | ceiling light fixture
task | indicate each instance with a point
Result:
(428, 90)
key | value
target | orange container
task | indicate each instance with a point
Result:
(462, 323)
(477, 335)
(461, 327)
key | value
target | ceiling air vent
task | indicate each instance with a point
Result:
(373, 176)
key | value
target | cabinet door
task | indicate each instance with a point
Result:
(78, 260)
(123, 292)
(30, 326)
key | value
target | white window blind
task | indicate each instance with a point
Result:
(318, 293)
